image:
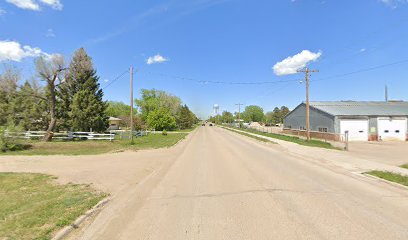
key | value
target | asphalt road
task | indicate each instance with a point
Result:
(222, 185)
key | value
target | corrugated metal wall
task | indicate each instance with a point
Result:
(296, 119)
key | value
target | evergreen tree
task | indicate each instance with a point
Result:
(81, 106)
(8, 89)
(30, 108)
(185, 118)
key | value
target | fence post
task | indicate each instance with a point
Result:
(346, 136)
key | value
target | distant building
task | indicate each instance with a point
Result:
(364, 121)
(114, 123)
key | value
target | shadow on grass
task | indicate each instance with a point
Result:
(15, 147)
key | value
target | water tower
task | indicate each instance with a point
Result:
(216, 109)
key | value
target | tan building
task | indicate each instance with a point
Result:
(114, 123)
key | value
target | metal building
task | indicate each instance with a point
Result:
(365, 121)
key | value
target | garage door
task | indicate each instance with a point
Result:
(392, 129)
(358, 129)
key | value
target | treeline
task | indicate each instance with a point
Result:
(157, 110)
(253, 113)
(64, 97)
(70, 99)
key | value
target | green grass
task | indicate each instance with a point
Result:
(93, 147)
(249, 135)
(405, 166)
(33, 206)
(297, 140)
(393, 177)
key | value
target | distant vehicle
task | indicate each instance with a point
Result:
(203, 124)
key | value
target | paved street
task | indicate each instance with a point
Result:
(221, 185)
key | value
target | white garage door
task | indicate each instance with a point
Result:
(358, 129)
(392, 129)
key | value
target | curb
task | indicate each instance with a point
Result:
(384, 181)
(68, 229)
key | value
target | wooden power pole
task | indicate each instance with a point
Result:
(239, 113)
(307, 72)
(131, 105)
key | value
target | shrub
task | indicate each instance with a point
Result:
(9, 144)
(161, 119)
(164, 133)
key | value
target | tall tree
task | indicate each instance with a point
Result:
(8, 89)
(117, 109)
(153, 99)
(269, 118)
(29, 107)
(185, 118)
(253, 113)
(283, 112)
(50, 71)
(81, 106)
(227, 117)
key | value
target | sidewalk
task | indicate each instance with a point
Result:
(343, 159)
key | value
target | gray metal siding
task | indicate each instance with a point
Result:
(297, 119)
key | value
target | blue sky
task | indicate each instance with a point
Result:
(202, 46)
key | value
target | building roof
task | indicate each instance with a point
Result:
(354, 108)
(114, 119)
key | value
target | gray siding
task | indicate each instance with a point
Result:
(318, 119)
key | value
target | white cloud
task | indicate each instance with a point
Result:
(393, 3)
(25, 4)
(34, 5)
(363, 50)
(156, 59)
(55, 4)
(290, 65)
(2, 12)
(50, 33)
(13, 51)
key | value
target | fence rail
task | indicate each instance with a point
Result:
(62, 136)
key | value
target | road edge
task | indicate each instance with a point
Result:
(61, 234)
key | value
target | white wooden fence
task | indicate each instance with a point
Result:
(62, 136)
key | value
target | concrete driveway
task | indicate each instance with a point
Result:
(392, 153)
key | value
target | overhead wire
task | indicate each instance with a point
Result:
(220, 82)
(362, 70)
(115, 79)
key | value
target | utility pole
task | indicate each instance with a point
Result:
(239, 113)
(131, 105)
(307, 72)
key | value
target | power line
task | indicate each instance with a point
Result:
(220, 82)
(116, 79)
(363, 70)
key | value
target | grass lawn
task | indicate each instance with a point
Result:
(393, 177)
(300, 141)
(92, 147)
(33, 206)
(405, 166)
(249, 135)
